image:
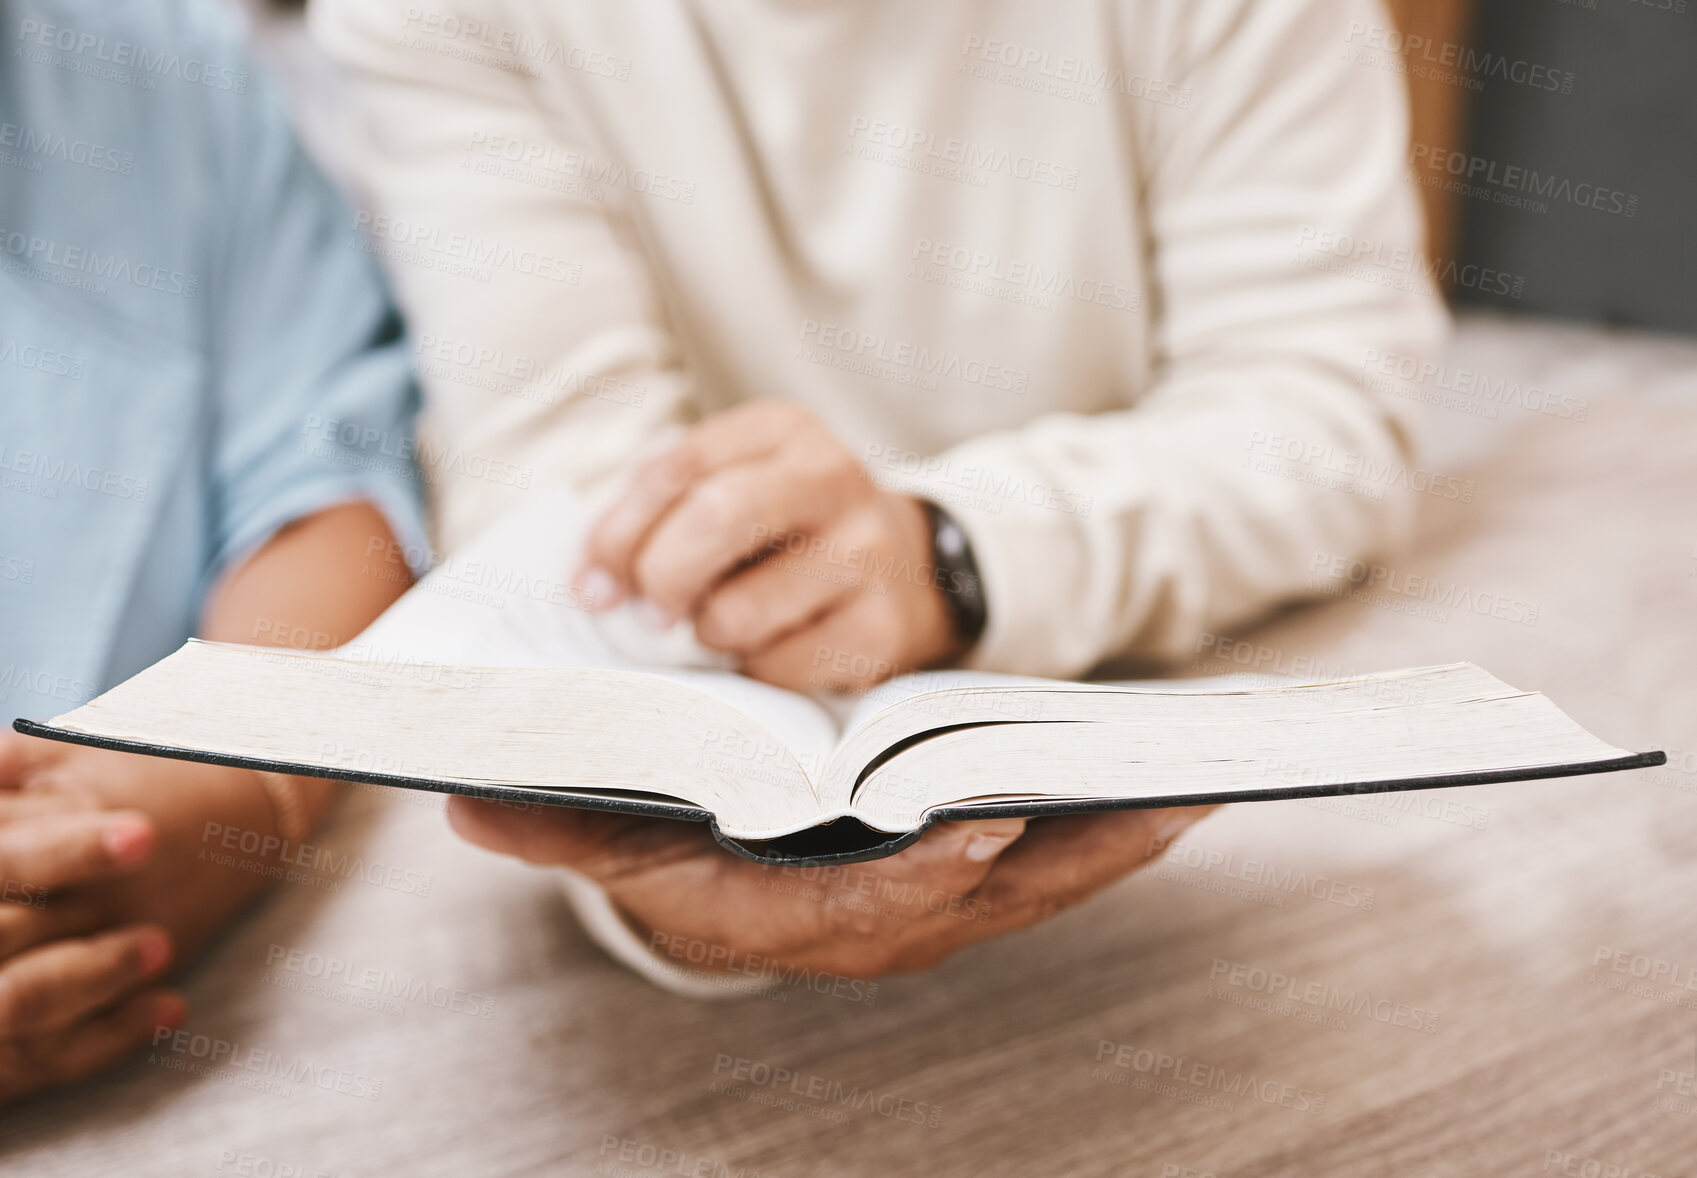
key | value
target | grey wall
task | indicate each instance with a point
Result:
(1629, 125)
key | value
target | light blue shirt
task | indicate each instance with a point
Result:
(194, 347)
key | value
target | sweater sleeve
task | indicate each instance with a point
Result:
(1275, 436)
(535, 315)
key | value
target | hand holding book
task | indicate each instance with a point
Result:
(960, 883)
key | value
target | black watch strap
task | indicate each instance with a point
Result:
(957, 574)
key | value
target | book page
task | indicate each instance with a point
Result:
(906, 687)
(853, 712)
(575, 731)
(506, 599)
(936, 700)
(1181, 741)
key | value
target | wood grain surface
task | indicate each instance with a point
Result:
(1448, 1009)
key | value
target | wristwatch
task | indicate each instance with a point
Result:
(957, 575)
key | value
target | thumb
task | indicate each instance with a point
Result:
(953, 857)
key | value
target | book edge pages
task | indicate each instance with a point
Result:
(73, 727)
(486, 790)
(900, 839)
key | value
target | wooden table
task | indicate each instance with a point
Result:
(1438, 985)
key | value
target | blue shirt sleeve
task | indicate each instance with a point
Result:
(314, 390)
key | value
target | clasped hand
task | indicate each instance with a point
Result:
(77, 981)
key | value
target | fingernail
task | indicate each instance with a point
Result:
(128, 840)
(600, 591)
(653, 616)
(154, 949)
(169, 1010)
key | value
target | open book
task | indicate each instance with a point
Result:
(488, 679)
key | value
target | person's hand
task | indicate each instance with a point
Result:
(101, 888)
(77, 990)
(765, 531)
(960, 883)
